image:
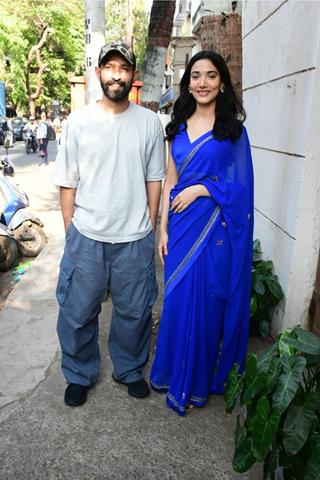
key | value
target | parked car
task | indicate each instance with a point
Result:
(18, 125)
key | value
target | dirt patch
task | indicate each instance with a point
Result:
(7, 284)
(10, 278)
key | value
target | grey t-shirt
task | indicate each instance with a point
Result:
(108, 158)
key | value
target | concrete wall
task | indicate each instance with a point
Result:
(281, 84)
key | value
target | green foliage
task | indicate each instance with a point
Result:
(313, 466)
(280, 392)
(253, 383)
(21, 26)
(266, 292)
(140, 32)
(116, 22)
(263, 427)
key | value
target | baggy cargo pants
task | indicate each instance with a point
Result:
(89, 267)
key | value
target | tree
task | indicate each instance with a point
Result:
(140, 32)
(159, 35)
(134, 31)
(41, 43)
(35, 51)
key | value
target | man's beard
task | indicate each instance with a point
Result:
(116, 95)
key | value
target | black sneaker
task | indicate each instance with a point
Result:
(138, 389)
(75, 395)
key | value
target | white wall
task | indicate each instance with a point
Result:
(281, 82)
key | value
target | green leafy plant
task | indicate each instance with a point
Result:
(266, 292)
(279, 398)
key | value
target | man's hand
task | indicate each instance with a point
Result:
(153, 194)
(67, 200)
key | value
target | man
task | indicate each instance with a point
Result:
(31, 125)
(56, 123)
(30, 133)
(109, 169)
(42, 136)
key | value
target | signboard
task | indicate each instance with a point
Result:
(166, 98)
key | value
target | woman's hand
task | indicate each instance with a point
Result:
(163, 245)
(187, 196)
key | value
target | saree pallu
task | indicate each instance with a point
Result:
(205, 319)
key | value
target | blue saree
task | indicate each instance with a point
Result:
(205, 319)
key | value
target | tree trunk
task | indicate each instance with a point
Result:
(159, 35)
(94, 39)
(129, 23)
(35, 52)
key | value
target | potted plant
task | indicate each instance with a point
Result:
(279, 398)
(266, 293)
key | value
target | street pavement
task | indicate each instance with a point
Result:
(112, 436)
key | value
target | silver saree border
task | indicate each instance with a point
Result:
(192, 153)
(194, 247)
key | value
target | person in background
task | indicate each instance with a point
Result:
(42, 136)
(6, 126)
(56, 123)
(205, 238)
(31, 125)
(109, 169)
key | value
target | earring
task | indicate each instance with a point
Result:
(222, 88)
(189, 90)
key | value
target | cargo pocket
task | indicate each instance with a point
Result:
(64, 282)
(146, 250)
(69, 231)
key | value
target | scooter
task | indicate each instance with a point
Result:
(8, 249)
(7, 166)
(17, 222)
(31, 141)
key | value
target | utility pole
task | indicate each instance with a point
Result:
(94, 40)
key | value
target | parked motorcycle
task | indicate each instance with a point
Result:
(8, 248)
(7, 166)
(31, 141)
(17, 223)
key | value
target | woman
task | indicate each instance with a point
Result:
(205, 238)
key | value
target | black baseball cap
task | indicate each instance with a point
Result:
(121, 48)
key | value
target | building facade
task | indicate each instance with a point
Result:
(272, 49)
(204, 24)
(281, 91)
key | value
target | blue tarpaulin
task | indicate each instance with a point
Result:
(2, 100)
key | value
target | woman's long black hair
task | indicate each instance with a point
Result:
(230, 113)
